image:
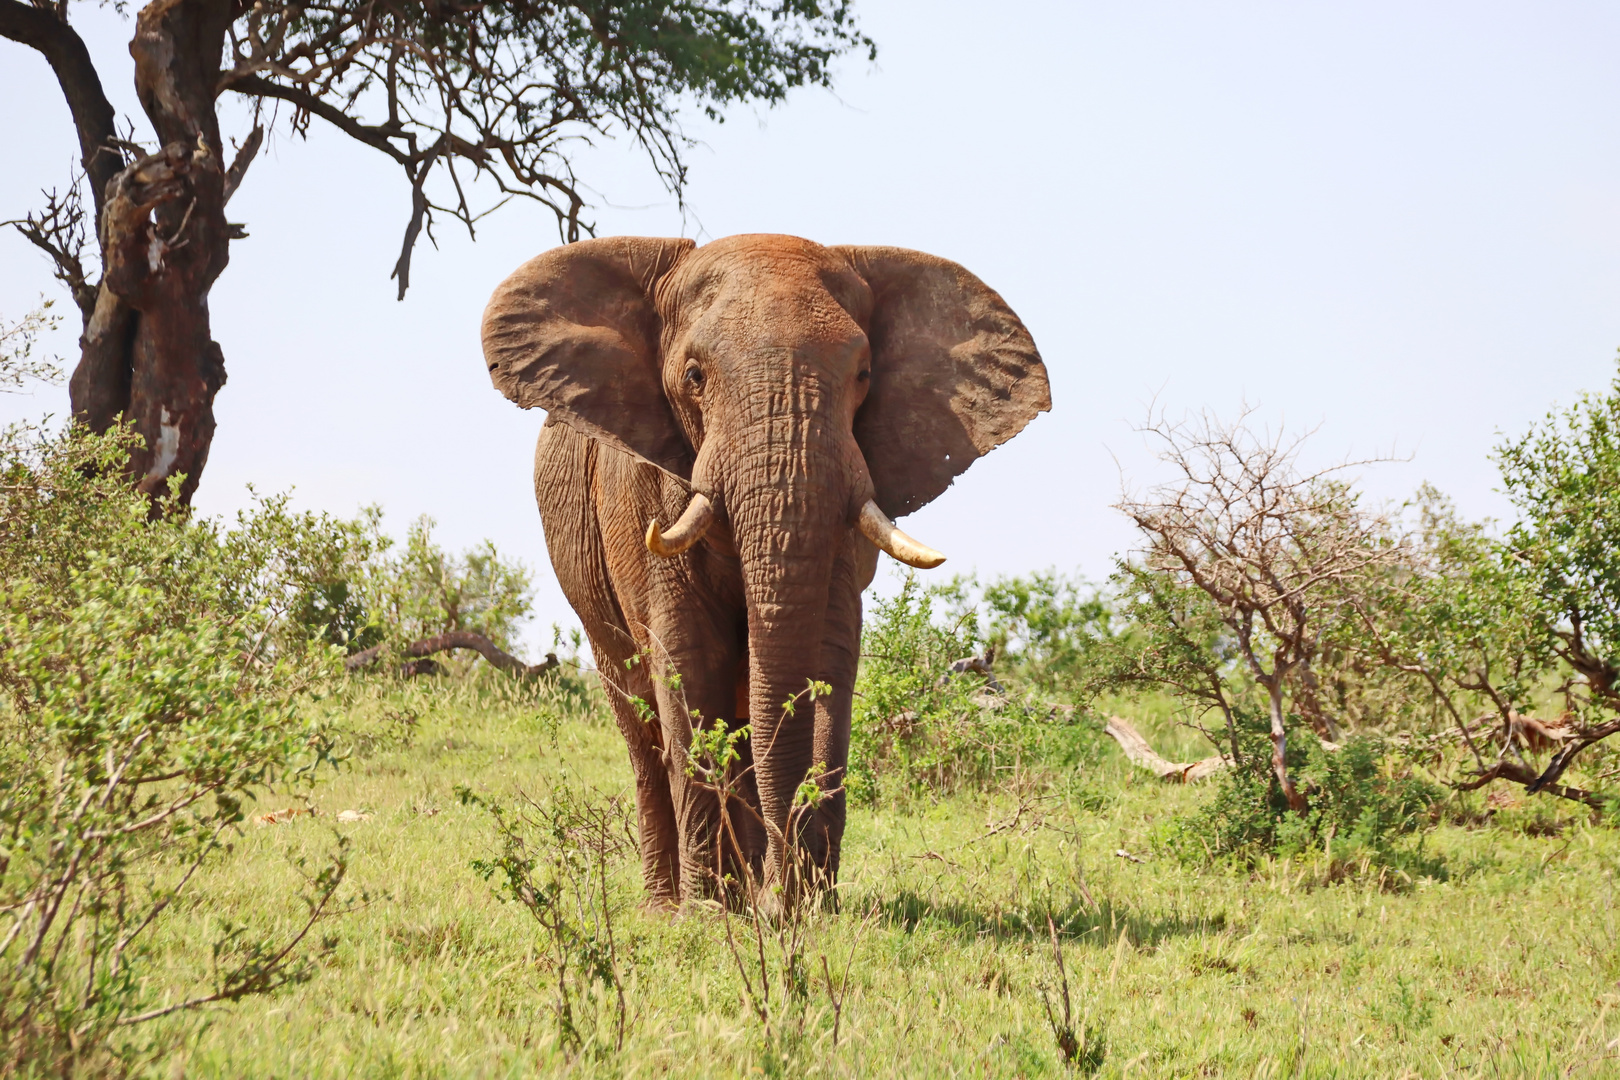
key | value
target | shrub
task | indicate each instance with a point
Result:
(1044, 628)
(1509, 625)
(348, 583)
(557, 859)
(153, 681)
(424, 591)
(1361, 804)
(372, 595)
(18, 364)
(919, 726)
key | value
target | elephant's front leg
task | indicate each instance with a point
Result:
(694, 657)
(822, 828)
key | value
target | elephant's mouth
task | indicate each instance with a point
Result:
(698, 517)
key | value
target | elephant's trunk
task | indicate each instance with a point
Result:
(788, 493)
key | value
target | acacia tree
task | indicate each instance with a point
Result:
(463, 96)
(1243, 545)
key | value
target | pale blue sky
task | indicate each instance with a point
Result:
(1400, 221)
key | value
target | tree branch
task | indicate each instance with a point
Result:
(1522, 774)
(419, 213)
(1141, 753)
(93, 114)
(244, 158)
(256, 86)
(1561, 760)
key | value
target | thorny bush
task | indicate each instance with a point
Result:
(557, 858)
(153, 680)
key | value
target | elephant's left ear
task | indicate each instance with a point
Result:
(954, 374)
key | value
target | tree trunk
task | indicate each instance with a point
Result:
(1279, 747)
(147, 352)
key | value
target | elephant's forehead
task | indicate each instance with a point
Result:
(757, 275)
(761, 246)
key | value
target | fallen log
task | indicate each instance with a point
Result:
(978, 665)
(455, 639)
(1142, 754)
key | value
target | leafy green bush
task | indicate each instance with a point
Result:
(153, 682)
(1361, 804)
(423, 590)
(391, 601)
(1503, 627)
(918, 726)
(1045, 628)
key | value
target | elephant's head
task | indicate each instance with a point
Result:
(801, 391)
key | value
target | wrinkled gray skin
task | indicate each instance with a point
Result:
(788, 383)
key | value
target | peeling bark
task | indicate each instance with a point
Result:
(165, 241)
(147, 354)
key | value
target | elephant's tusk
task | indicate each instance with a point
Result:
(876, 527)
(685, 532)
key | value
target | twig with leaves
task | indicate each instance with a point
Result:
(556, 859)
(18, 340)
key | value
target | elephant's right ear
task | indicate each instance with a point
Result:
(575, 333)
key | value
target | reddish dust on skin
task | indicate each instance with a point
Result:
(800, 397)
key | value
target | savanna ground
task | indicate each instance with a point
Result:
(1505, 964)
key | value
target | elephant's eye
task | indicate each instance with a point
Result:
(864, 375)
(694, 377)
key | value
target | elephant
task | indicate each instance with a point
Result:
(779, 403)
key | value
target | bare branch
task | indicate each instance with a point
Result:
(1521, 774)
(1141, 753)
(47, 31)
(254, 86)
(457, 639)
(419, 214)
(1279, 552)
(59, 231)
(244, 158)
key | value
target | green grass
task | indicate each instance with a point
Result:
(1507, 967)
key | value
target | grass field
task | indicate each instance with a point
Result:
(1506, 967)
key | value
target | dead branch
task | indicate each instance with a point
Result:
(1522, 774)
(244, 158)
(59, 231)
(1547, 781)
(42, 27)
(978, 665)
(455, 639)
(1141, 753)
